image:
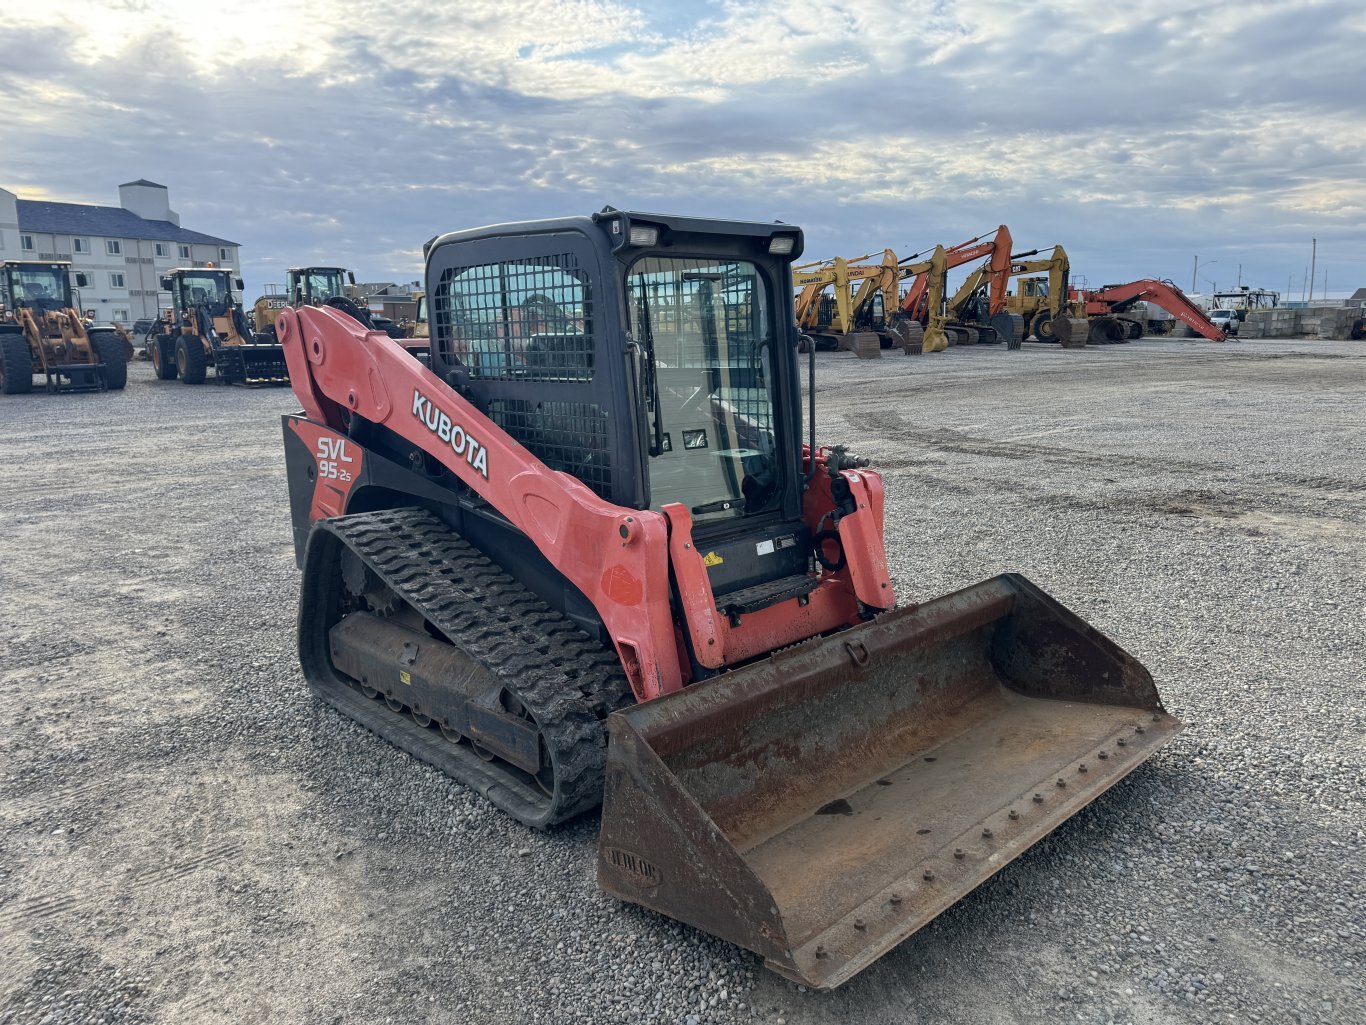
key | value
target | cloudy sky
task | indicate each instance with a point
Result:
(1138, 135)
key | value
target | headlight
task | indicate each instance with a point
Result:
(781, 245)
(643, 235)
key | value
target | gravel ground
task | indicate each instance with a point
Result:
(186, 836)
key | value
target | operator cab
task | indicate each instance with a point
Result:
(41, 287)
(651, 357)
(313, 286)
(201, 287)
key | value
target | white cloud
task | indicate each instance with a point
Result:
(355, 131)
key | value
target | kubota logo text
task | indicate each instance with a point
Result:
(451, 433)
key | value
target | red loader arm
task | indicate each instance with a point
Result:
(1168, 297)
(619, 558)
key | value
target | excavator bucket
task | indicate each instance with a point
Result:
(820, 806)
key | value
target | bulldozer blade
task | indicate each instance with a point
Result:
(820, 806)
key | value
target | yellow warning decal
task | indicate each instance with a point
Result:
(405, 677)
(712, 559)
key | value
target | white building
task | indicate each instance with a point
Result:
(117, 253)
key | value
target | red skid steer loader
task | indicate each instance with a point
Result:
(586, 556)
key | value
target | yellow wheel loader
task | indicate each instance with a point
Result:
(205, 329)
(42, 332)
(305, 286)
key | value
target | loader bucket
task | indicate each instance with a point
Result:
(820, 806)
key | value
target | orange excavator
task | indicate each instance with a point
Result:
(928, 282)
(1104, 306)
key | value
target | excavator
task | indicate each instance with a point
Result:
(1104, 308)
(42, 332)
(926, 301)
(826, 308)
(204, 328)
(595, 553)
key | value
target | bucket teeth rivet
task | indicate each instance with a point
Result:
(958, 853)
(1156, 717)
(896, 898)
(1102, 755)
(820, 952)
(1140, 729)
(1014, 814)
(1062, 782)
(859, 924)
(1122, 742)
(1081, 767)
(929, 874)
(987, 833)
(1038, 798)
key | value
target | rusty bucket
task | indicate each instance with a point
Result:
(820, 806)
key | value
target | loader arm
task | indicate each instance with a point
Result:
(619, 558)
(1162, 294)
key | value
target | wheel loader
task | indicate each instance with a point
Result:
(594, 554)
(306, 286)
(204, 328)
(327, 286)
(42, 332)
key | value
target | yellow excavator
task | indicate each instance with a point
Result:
(825, 305)
(873, 317)
(1041, 301)
(42, 332)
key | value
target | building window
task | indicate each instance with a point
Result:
(224, 255)
(184, 252)
(80, 245)
(162, 249)
(26, 243)
(115, 280)
(82, 280)
(113, 247)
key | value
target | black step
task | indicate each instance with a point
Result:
(761, 596)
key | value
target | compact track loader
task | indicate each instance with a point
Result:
(587, 555)
(205, 328)
(42, 332)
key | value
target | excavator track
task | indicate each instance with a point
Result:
(513, 644)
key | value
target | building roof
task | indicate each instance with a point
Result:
(143, 181)
(109, 221)
(1360, 293)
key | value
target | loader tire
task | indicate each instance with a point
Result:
(1042, 326)
(16, 364)
(109, 350)
(192, 362)
(162, 351)
(398, 562)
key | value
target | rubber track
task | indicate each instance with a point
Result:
(568, 681)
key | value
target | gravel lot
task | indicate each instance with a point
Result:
(187, 836)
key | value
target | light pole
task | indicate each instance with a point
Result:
(1197, 270)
